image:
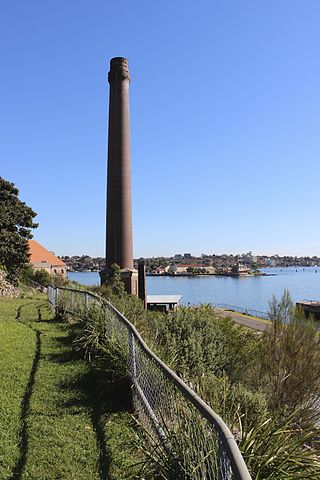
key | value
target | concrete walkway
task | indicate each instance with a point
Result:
(247, 320)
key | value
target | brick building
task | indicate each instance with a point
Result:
(42, 259)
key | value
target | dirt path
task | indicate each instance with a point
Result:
(247, 320)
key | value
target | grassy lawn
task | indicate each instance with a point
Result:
(59, 418)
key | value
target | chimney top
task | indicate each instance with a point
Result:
(119, 69)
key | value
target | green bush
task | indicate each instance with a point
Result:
(235, 403)
(191, 344)
(290, 358)
(197, 341)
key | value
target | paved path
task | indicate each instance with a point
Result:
(247, 320)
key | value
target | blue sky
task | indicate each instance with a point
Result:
(225, 115)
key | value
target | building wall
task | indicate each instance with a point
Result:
(51, 269)
(58, 270)
(46, 268)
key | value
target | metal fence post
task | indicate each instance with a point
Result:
(86, 300)
(72, 301)
(56, 292)
(225, 469)
(132, 358)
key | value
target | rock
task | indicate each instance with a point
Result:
(7, 290)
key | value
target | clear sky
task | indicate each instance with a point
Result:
(225, 115)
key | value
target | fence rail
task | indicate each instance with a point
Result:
(36, 286)
(246, 311)
(180, 423)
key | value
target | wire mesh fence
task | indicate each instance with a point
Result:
(182, 427)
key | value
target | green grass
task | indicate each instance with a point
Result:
(60, 418)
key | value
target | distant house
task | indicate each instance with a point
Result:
(42, 259)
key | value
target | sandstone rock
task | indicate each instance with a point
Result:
(7, 290)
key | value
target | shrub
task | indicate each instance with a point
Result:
(191, 344)
(290, 357)
(235, 403)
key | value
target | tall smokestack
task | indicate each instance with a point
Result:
(119, 210)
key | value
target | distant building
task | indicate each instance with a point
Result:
(180, 268)
(187, 256)
(42, 259)
(272, 262)
(177, 257)
(161, 270)
(240, 269)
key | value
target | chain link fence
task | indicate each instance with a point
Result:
(183, 428)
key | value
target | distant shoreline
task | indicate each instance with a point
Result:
(258, 274)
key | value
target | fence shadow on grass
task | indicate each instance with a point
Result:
(25, 403)
(100, 392)
(97, 389)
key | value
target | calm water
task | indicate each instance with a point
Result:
(250, 292)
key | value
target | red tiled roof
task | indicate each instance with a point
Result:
(40, 254)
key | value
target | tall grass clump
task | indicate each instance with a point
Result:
(281, 449)
(101, 341)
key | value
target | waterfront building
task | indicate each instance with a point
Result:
(42, 259)
(240, 269)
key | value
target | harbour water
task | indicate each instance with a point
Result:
(245, 292)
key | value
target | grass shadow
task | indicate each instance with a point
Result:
(99, 390)
(25, 403)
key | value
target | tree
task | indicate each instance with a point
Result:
(16, 222)
(113, 284)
